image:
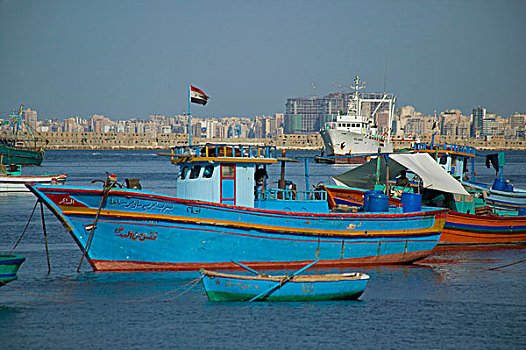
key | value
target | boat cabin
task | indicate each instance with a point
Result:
(345, 123)
(452, 157)
(237, 175)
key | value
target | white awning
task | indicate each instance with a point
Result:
(433, 176)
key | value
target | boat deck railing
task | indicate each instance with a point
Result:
(445, 147)
(226, 151)
(280, 194)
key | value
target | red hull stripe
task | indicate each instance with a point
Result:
(106, 265)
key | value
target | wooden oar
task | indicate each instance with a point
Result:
(283, 281)
(246, 267)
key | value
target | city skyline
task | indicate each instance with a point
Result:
(132, 59)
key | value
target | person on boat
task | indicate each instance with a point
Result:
(402, 180)
(260, 177)
(465, 175)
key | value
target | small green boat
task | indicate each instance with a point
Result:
(9, 265)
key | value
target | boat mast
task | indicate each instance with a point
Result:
(355, 107)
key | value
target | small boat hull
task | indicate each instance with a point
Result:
(9, 265)
(17, 183)
(229, 287)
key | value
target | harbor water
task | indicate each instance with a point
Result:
(456, 298)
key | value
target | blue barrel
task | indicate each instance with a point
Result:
(411, 202)
(366, 196)
(522, 211)
(378, 202)
(499, 185)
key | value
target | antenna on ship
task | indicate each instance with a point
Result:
(358, 85)
(339, 86)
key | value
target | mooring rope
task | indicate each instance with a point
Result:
(192, 283)
(503, 266)
(41, 297)
(14, 298)
(196, 281)
(25, 228)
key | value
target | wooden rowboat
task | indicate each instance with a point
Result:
(229, 287)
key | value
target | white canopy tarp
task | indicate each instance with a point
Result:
(433, 176)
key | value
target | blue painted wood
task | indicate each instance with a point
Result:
(142, 230)
(230, 287)
(283, 281)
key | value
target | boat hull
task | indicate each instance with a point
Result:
(9, 265)
(140, 230)
(463, 228)
(17, 183)
(504, 200)
(345, 147)
(21, 156)
(459, 228)
(224, 287)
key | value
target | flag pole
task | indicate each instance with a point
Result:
(189, 117)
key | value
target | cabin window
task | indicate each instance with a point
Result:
(184, 172)
(227, 171)
(194, 173)
(443, 160)
(209, 170)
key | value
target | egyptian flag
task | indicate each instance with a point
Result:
(197, 96)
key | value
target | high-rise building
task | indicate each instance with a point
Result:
(479, 114)
(310, 114)
(30, 117)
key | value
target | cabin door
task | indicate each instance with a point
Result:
(228, 184)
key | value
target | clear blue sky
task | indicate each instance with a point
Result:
(123, 58)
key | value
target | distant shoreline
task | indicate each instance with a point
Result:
(509, 149)
(299, 142)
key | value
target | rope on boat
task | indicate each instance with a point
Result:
(25, 228)
(503, 266)
(192, 284)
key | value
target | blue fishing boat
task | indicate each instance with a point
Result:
(294, 287)
(9, 265)
(225, 210)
